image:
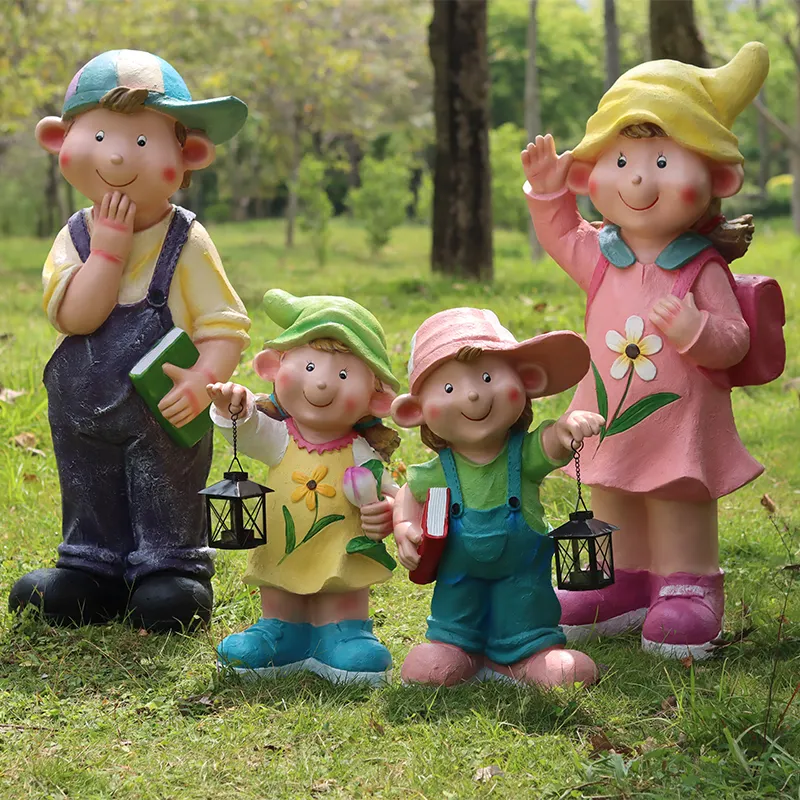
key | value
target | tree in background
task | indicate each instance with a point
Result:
(314, 205)
(674, 33)
(612, 41)
(533, 112)
(462, 201)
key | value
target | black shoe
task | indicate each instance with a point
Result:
(168, 601)
(65, 596)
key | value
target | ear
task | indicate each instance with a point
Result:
(726, 179)
(266, 365)
(380, 404)
(50, 133)
(407, 411)
(578, 177)
(534, 379)
(198, 152)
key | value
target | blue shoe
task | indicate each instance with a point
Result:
(269, 647)
(348, 651)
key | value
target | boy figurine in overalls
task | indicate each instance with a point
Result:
(494, 613)
(120, 276)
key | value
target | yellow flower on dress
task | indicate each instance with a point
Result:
(633, 349)
(311, 487)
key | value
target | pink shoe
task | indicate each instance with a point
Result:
(554, 666)
(606, 612)
(685, 616)
(439, 664)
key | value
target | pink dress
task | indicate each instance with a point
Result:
(688, 449)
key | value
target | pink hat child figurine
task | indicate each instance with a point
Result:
(494, 613)
(667, 334)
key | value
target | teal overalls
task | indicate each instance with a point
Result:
(494, 592)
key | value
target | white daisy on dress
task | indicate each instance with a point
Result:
(633, 350)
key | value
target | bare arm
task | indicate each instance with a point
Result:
(407, 521)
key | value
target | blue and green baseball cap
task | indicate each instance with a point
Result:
(220, 118)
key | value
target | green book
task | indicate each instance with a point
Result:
(153, 385)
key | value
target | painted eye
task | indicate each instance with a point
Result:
(142, 140)
(343, 374)
(621, 161)
(661, 162)
(487, 378)
(310, 366)
(448, 387)
(100, 135)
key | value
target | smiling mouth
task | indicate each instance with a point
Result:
(315, 404)
(478, 419)
(116, 185)
(633, 208)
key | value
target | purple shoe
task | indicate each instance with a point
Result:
(686, 615)
(616, 609)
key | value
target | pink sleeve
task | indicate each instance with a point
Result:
(724, 338)
(566, 236)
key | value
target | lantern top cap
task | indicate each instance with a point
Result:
(237, 487)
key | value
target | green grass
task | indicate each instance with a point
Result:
(104, 712)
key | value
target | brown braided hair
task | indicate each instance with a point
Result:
(381, 438)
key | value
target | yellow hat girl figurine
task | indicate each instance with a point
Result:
(667, 335)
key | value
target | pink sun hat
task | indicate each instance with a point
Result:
(563, 355)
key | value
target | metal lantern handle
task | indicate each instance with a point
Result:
(576, 457)
(235, 459)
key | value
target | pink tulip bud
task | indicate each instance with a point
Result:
(359, 486)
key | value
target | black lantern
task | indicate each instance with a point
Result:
(236, 507)
(584, 558)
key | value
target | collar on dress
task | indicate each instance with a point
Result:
(678, 252)
(319, 447)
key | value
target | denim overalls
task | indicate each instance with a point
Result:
(129, 494)
(494, 593)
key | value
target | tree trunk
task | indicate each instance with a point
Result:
(51, 197)
(763, 136)
(612, 42)
(533, 109)
(291, 202)
(674, 34)
(462, 200)
(794, 157)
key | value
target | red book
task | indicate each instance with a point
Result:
(435, 522)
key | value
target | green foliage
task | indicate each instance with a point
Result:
(103, 712)
(424, 208)
(316, 209)
(382, 200)
(509, 209)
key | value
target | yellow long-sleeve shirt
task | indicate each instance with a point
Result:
(201, 299)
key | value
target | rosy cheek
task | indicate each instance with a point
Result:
(63, 159)
(350, 405)
(169, 174)
(592, 186)
(514, 394)
(688, 195)
(283, 380)
(433, 412)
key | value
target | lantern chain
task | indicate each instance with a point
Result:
(235, 460)
(576, 456)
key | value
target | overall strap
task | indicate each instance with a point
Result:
(79, 233)
(689, 273)
(597, 278)
(176, 238)
(453, 484)
(514, 486)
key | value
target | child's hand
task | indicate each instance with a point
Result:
(679, 320)
(545, 170)
(188, 396)
(112, 233)
(573, 427)
(228, 398)
(376, 519)
(408, 536)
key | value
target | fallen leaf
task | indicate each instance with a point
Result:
(144, 632)
(24, 440)
(540, 307)
(669, 703)
(648, 745)
(376, 726)
(10, 395)
(29, 477)
(600, 743)
(485, 774)
(688, 661)
(196, 703)
(6, 336)
(768, 503)
(792, 567)
(35, 452)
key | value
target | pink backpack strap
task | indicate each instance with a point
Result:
(597, 278)
(689, 273)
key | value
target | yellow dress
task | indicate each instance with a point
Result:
(309, 524)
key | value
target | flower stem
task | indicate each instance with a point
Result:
(622, 399)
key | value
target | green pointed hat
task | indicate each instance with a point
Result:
(327, 317)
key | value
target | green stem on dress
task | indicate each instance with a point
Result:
(610, 422)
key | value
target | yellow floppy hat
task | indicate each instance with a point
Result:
(695, 107)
